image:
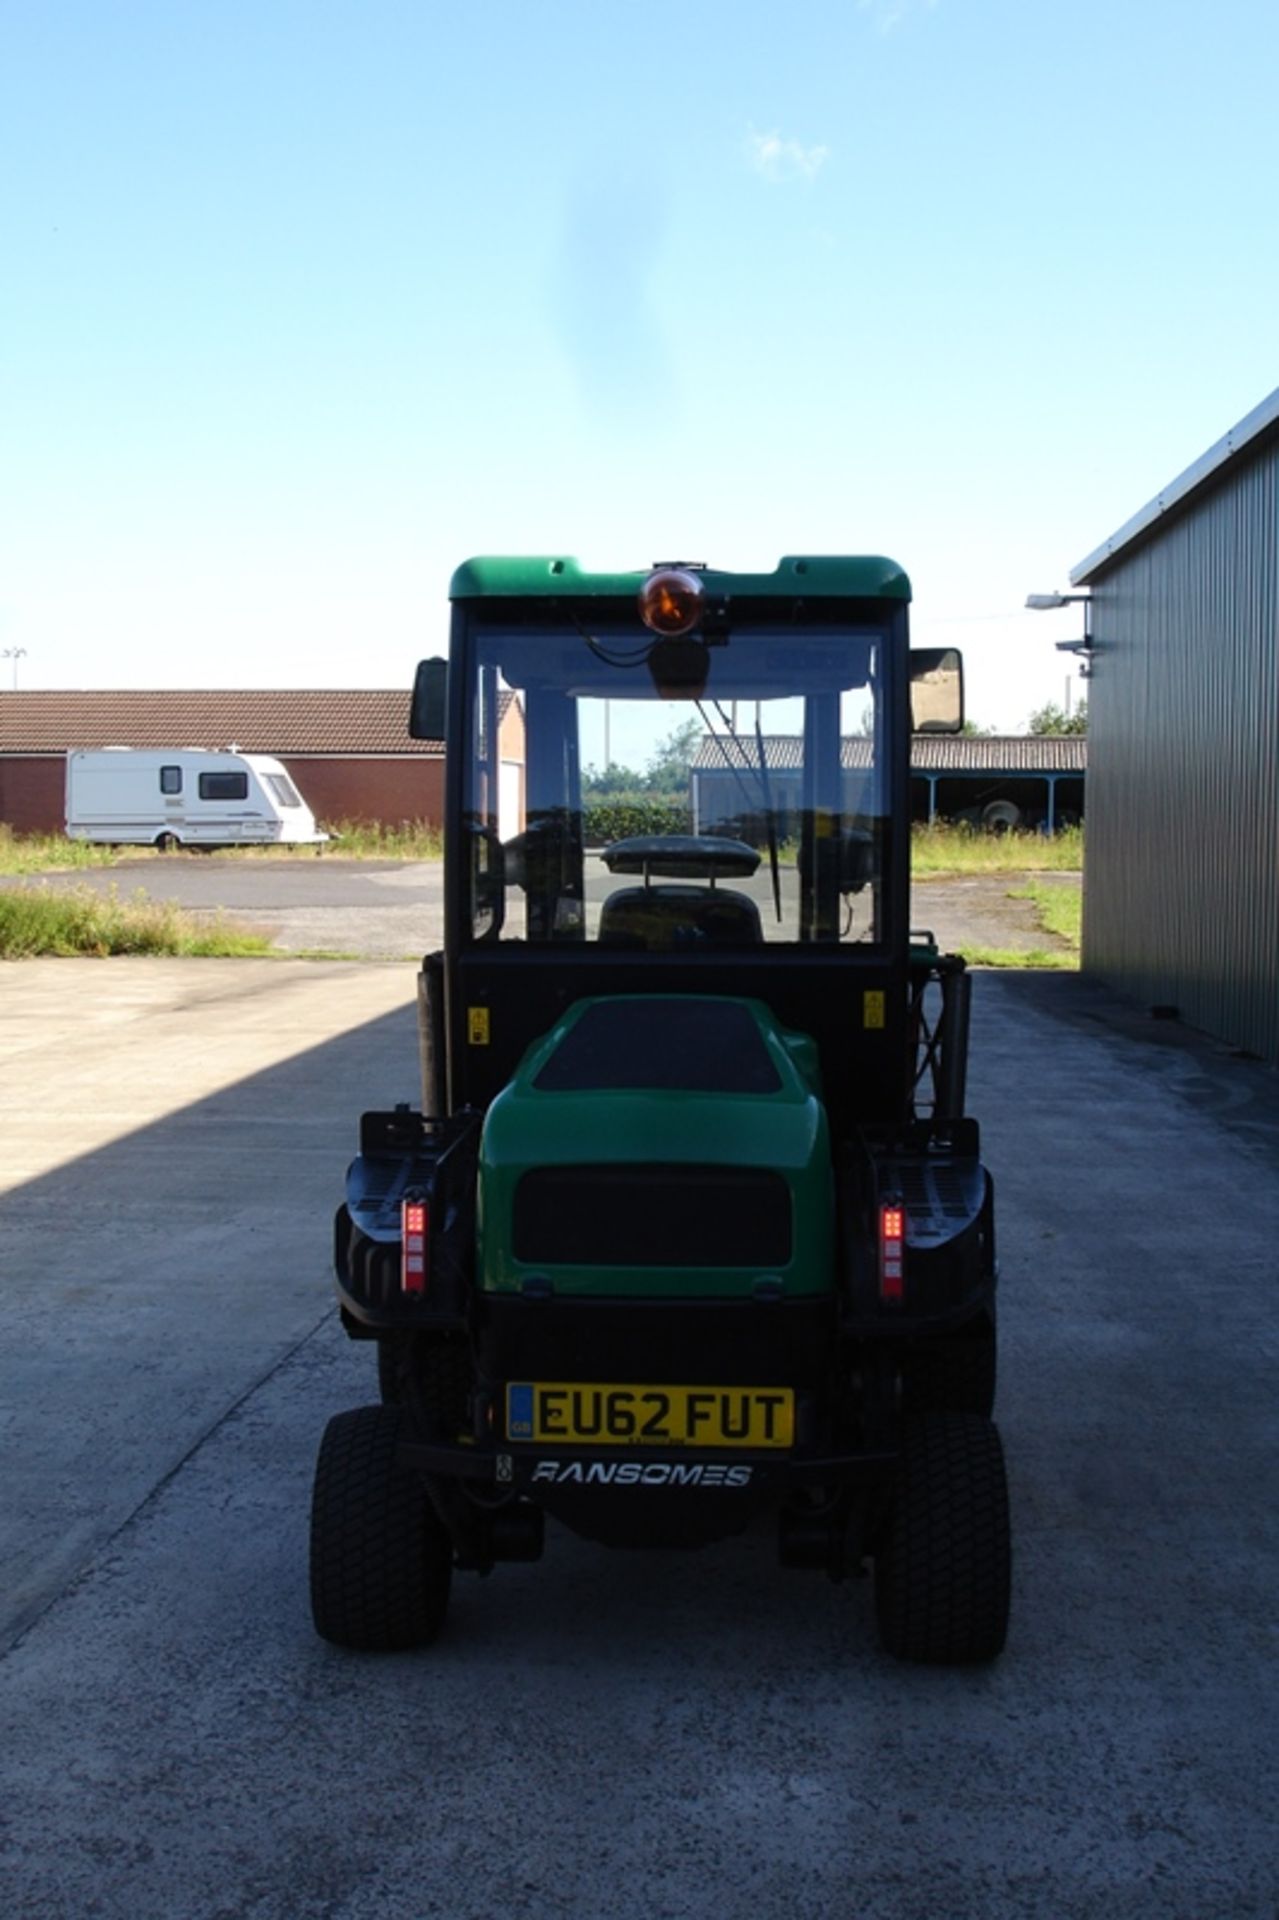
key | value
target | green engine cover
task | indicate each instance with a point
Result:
(659, 1146)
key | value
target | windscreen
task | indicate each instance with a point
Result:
(716, 792)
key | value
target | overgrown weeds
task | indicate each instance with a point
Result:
(350, 840)
(36, 921)
(944, 848)
(384, 840)
(38, 852)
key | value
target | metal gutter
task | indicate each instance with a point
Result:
(1240, 437)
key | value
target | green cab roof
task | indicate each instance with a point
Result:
(798, 576)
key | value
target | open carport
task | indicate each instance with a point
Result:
(611, 1735)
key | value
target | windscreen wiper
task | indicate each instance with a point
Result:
(765, 792)
(769, 815)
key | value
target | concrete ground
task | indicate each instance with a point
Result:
(602, 1734)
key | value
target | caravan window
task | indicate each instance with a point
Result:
(170, 779)
(282, 789)
(224, 786)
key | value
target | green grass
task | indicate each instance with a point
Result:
(1021, 957)
(942, 848)
(1059, 909)
(938, 849)
(384, 840)
(37, 852)
(352, 840)
(39, 922)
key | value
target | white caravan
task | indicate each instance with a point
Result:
(184, 797)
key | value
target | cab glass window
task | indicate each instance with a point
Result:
(723, 794)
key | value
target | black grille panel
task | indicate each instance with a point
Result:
(653, 1216)
(702, 1046)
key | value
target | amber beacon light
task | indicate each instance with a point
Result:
(671, 601)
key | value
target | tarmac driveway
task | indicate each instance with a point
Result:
(386, 909)
(608, 1735)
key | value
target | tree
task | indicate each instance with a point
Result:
(971, 731)
(612, 779)
(1055, 719)
(667, 770)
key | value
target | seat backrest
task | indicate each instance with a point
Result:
(664, 918)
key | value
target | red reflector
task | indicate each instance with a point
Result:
(414, 1231)
(892, 1229)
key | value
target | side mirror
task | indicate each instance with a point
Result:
(427, 713)
(936, 690)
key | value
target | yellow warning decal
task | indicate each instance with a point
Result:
(873, 1008)
(477, 1026)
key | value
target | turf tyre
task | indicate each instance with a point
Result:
(943, 1572)
(381, 1560)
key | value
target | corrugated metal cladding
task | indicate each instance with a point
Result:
(1181, 891)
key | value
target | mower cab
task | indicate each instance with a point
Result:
(693, 1222)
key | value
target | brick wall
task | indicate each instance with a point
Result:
(389, 790)
(33, 792)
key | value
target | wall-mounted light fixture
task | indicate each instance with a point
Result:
(1083, 650)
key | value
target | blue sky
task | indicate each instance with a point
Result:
(303, 304)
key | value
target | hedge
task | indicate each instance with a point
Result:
(619, 816)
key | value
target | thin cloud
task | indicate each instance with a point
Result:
(603, 305)
(888, 14)
(776, 159)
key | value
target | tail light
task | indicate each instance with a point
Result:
(415, 1224)
(892, 1250)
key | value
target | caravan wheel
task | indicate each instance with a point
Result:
(167, 843)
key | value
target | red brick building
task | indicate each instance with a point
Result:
(349, 752)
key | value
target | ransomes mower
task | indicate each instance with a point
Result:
(691, 1232)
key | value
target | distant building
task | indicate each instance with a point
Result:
(348, 752)
(1033, 780)
(1181, 890)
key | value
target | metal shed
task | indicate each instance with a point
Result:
(1181, 892)
(1012, 780)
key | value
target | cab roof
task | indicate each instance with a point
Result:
(809, 577)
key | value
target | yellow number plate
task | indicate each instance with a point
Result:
(616, 1416)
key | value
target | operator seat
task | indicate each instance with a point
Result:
(663, 918)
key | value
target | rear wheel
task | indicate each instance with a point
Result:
(381, 1559)
(167, 843)
(942, 1574)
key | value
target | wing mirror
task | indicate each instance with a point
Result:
(427, 714)
(936, 690)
